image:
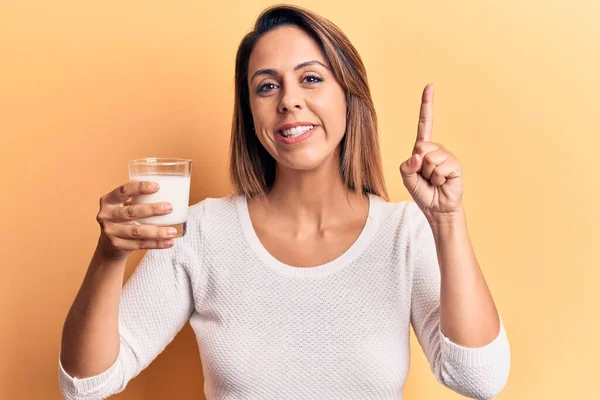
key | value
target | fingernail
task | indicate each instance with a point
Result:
(154, 186)
(167, 207)
(172, 231)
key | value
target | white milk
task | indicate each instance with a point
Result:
(173, 189)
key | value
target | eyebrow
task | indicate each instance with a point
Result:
(272, 72)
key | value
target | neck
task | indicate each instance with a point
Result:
(314, 199)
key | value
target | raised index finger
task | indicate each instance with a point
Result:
(124, 192)
(426, 115)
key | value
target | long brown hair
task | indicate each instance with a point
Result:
(252, 168)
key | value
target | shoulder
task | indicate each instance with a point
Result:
(197, 210)
(207, 217)
(402, 213)
(402, 220)
(407, 226)
(213, 211)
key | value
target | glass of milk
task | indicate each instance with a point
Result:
(173, 176)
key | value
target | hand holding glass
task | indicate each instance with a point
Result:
(173, 175)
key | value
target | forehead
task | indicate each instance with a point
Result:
(284, 48)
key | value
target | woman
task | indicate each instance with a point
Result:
(303, 284)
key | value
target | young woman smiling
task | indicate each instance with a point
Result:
(304, 282)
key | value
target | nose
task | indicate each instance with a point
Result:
(291, 99)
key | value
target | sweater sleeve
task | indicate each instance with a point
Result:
(479, 373)
(156, 302)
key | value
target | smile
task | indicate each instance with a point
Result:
(296, 131)
(296, 134)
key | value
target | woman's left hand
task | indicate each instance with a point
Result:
(432, 175)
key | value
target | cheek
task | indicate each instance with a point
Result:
(262, 115)
(333, 111)
(256, 110)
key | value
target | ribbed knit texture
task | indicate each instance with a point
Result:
(267, 330)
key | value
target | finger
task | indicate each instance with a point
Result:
(426, 115)
(409, 170)
(432, 160)
(124, 192)
(137, 211)
(133, 231)
(423, 148)
(446, 171)
(140, 244)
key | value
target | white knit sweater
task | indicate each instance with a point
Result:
(268, 330)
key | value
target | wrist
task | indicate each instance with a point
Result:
(105, 254)
(446, 218)
(445, 223)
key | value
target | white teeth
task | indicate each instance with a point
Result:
(296, 131)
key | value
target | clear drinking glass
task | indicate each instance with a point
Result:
(173, 175)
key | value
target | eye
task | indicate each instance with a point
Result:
(313, 79)
(266, 87)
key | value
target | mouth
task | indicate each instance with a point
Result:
(296, 134)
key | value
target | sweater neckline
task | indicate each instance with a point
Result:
(346, 258)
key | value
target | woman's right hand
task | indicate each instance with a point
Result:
(119, 235)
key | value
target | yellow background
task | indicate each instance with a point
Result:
(85, 86)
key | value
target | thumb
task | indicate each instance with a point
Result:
(409, 171)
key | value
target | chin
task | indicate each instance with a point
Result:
(300, 165)
(303, 162)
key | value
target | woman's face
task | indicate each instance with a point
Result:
(298, 107)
